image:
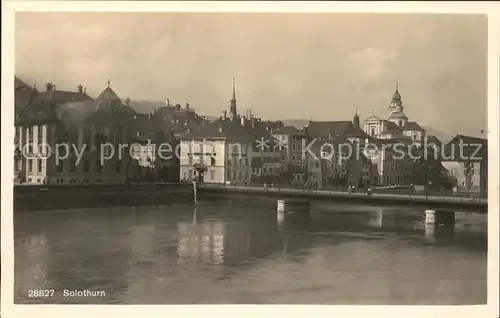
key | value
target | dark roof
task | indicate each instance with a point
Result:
(355, 131)
(434, 140)
(149, 126)
(288, 130)
(411, 125)
(219, 129)
(392, 126)
(44, 105)
(177, 119)
(259, 132)
(318, 129)
(452, 151)
(108, 94)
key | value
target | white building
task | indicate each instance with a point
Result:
(396, 126)
(223, 147)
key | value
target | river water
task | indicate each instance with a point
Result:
(236, 252)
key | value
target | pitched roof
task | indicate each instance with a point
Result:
(355, 131)
(372, 118)
(259, 132)
(411, 125)
(288, 130)
(433, 139)
(219, 129)
(391, 126)
(452, 151)
(108, 94)
(317, 129)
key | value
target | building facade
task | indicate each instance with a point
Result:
(466, 160)
(60, 137)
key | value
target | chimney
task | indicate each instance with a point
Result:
(168, 102)
(85, 90)
(187, 105)
(253, 122)
(49, 87)
(224, 115)
(177, 107)
(243, 121)
(305, 129)
(80, 89)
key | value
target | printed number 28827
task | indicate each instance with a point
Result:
(40, 292)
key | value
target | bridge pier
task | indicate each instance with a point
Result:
(436, 217)
(292, 211)
(376, 219)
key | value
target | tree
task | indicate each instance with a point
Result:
(430, 172)
(200, 171)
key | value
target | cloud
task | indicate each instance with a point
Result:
(369, 64)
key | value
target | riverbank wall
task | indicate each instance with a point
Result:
(68, 197)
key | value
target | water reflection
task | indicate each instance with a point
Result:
(243, 253)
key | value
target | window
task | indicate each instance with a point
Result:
(30, 165)
(414, 137)
(86, 166)
(212, 161)
(400, 123)
(190, 160)
(373, 131)
(212, 175)
(39, 170)
(228, 175)
(40, 133)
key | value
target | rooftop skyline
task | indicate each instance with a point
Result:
(319, 66)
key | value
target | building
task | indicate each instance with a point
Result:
(389, 168)
(221, 149)
(396, 126)
(293, 142)
(53, 120)
(466, 160)
(267, 157)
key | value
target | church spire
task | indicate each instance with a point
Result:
(232, 110)
(356, 119)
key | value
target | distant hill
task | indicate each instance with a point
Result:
(297, 123)
(442, 136)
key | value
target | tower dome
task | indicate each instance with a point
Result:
(396, 103)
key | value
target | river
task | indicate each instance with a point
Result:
(235, 252)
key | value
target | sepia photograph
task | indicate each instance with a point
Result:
(250, 158)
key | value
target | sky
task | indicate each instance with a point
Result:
(323, 66)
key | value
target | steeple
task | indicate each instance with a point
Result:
(232, 109)
(356, 119)
(396, 103)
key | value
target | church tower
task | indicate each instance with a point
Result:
(396, 113)
(233, 113)
(396, 103)
(356, 119)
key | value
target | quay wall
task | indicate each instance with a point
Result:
(67, 197)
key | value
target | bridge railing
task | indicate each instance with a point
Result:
(435, 196)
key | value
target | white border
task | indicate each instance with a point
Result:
(7, 133)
